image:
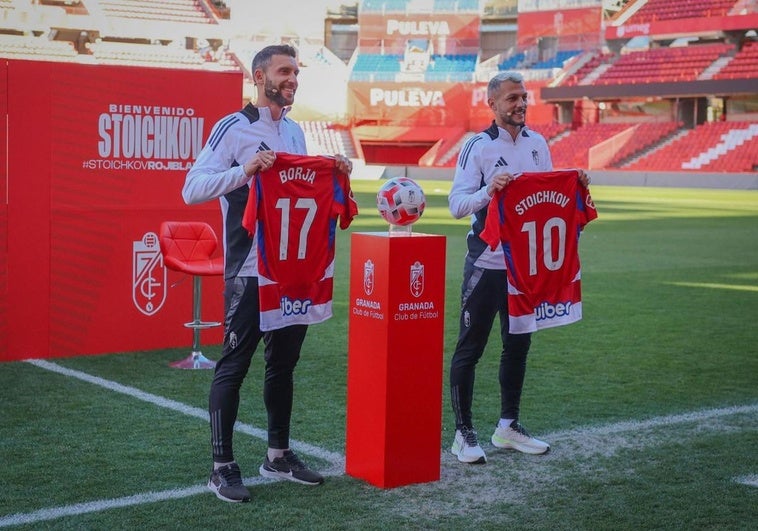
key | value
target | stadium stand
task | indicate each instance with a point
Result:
(512, 61)
(551, 131)
(323, 138)
(36, 48)
(558, 60)
(712, 146)
(743, 65)
(375, 67)
(167, 10)
(655, 10)
(598, 63)
(684, 63)
(451, 67)
(708, 129)
(646, 135)
(571, 151)
(384, 6)
(106, 52)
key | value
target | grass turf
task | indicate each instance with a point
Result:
(670, 284)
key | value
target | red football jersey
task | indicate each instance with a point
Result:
(293, 209)
(537, 219)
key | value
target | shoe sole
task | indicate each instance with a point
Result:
(274, 474)
(220, 496)
(479, 461)
(509, 445)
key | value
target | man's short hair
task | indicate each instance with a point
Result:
(501, 77)
(263, 58)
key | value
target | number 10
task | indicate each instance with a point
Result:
(551, 263)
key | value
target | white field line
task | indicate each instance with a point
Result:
(332, 457)
(127, 501)
(751, 481)
(634, 425)
(337, 460)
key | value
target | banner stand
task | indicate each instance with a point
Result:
(395, 348)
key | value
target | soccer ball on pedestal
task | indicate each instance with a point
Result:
(400, 201)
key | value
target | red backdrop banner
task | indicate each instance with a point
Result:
(430, 104)
(407, 103)
(448, 33)
(96, 160)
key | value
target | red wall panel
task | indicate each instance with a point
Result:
(3, 208)
(571, 25)
(29, 169)
(97, 158)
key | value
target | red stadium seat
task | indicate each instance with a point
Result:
(188, 246)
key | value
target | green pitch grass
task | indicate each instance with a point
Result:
(650, 402)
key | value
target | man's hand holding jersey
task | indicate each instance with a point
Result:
(584, 179)
(262, 161)
(499, 182)
(343, 164)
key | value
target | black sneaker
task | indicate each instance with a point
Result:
(290, 467)
(226, 483)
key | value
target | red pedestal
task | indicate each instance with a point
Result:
(395, 347)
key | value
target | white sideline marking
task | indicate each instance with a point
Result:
(127, 501)
(750, 481)
(337, 460)
(620, 427)
(332, 457)
(95, 506)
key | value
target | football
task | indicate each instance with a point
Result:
(400, 201)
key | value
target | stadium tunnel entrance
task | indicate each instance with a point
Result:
(405, 145)
(380, 152)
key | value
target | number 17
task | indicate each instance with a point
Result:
(283, 204)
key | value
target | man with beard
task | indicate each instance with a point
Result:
(241, 145)
(486, 164)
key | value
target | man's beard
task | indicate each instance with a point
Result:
(509, 119)
(273, 94)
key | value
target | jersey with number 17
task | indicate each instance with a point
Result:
(537, 219)
(292, 210)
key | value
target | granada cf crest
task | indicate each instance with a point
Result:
(148, 274)
(417, 279)
(368, 277)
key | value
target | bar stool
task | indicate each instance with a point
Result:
(187, 247)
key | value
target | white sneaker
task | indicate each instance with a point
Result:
(466, 447)
(516, 437)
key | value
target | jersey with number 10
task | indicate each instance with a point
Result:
(292, 210)
(537, 219)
